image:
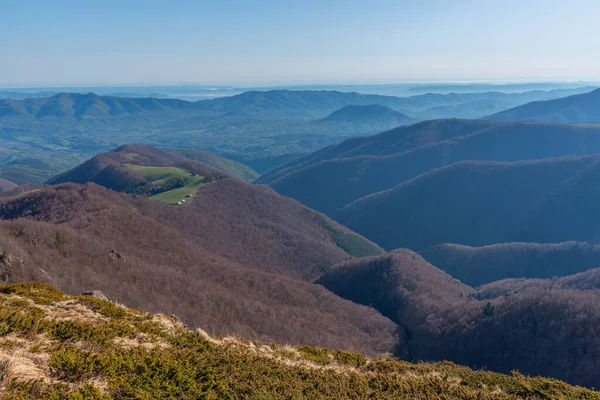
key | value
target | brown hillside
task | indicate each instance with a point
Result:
(87, 237)
(419, 297)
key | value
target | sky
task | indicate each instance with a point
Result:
(268, 42)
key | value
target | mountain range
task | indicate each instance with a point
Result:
(41, 137)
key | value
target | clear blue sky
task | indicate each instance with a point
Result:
(58, 42)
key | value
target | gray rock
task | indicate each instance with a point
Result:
(95, 294)
(5, 266)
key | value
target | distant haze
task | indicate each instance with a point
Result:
(68, 42)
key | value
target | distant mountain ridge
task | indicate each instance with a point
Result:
(333, 177)
(273, 103)
(476, 266)
(579, 108)
(77, 106)
(42, 137)
(481, 203)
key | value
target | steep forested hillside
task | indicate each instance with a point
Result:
(229, 214)
(531, 330)
(480, 203)
(5, 184)
(199, 262)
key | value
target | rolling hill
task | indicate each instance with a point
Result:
(333, 177)
(573, 109)
(227, 206)
(5, 185)
(480, 203)
(479, 265)
(57, 349)
(374, 114)
(401, 285)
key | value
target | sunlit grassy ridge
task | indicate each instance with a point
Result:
(54, 346)
(158, 176)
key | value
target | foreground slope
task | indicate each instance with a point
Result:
(480, 203)
(199, 261)
(573, 109)
(333, 177)
(54, 347)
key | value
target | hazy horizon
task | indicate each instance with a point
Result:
(268, 43)
(292, 84)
